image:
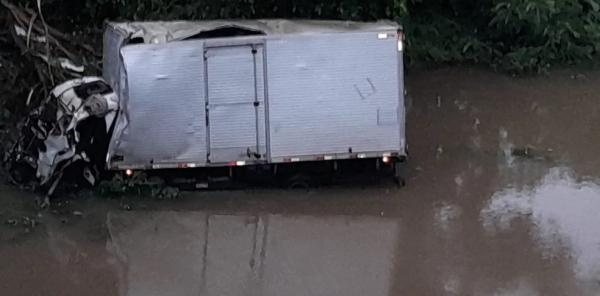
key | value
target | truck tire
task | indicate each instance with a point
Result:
(299, 181)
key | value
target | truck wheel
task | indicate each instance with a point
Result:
(299, 181)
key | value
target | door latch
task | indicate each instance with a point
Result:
(251, 154)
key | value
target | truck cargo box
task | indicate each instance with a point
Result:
(231, 93)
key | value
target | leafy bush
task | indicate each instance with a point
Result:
(445, 41)
(515, 35)
(534, 34)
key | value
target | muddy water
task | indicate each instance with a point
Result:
(503, 198)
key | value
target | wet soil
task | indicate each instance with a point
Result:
(502, 198)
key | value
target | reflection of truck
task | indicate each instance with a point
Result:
(196, 253)
(239, 93)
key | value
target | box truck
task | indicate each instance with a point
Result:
(254, 92)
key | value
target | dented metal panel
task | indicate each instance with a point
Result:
(163, 32)
(165, 109)
(334, 93)
(111, 59)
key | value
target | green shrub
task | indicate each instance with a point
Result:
(534, 34)
(515, 35)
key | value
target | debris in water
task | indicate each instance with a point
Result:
(458, 180)
(445, 213)
(43, 203)
(24, 221)
(77, 213)
(505, 146)
(476, 123)
(461, 105)
(439, 101)
(530, 152)
(438, 151)
(522, 152)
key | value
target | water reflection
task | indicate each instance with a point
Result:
(197, 253)
(565, 214)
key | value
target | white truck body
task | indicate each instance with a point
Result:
(284, 91)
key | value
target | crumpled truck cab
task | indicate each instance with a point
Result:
(70, 129)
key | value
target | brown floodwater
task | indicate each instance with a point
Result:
(502, 198)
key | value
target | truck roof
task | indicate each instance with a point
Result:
(167, 31)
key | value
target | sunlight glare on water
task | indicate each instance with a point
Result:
(565, 214)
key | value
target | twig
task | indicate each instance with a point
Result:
(39, 5)
(30, 95)
(51, 29)
(14, 11)
(31, 27)
(41, 77)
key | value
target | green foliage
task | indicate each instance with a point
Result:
(535, 34)
(445, 41)
(515, 35)
(137, 185)
(95, 11)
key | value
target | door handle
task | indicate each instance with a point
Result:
(251, 154)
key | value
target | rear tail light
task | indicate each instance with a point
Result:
(237, 163)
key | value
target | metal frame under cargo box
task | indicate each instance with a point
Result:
(285, 91)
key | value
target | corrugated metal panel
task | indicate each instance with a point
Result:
(166, 105)
(232, 90)
(327, 93)
(332, 92)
